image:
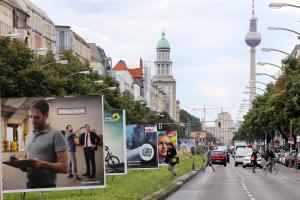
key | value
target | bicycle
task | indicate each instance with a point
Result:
(274, 170)
(111, 160)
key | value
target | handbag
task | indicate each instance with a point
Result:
(177, 160)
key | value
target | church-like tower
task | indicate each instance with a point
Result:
(163, 77)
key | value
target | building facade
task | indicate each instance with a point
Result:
(100, 63)
(66, 39)
(224, 128)
(41, 30)
(163, 77)
(13, 19)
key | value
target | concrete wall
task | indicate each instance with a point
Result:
(93, 116)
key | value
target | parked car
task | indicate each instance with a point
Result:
(247, 160)
(293, 158)
(241, 154)
(297, 165)
(219, 157)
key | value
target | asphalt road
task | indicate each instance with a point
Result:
(230, 182)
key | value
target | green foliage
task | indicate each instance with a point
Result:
(274, 110)
(24, 74)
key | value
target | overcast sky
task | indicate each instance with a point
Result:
(209, 54)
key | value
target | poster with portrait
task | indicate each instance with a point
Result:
(141, 144)
(115, 142)
(186, 144)
(53, 143)
(164, 139)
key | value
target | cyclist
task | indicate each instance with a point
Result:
(269, 157)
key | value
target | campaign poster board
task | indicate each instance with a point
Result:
(115, 142)
(141, 144)
(164, 139)
(18, 122)
(186, 144)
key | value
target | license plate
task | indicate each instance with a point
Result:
(218, 160)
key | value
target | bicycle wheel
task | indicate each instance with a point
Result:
(113, 162)
(265, 169)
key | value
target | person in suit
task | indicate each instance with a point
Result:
(89, 140)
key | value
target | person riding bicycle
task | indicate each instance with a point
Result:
(269, 157)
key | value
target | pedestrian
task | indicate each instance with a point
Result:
(89, 140)
(209, 160)
(171, 158)
(270, 158)
(254, 160)
(71, 149)
(45, 148)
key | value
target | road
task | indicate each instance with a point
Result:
(230, 182)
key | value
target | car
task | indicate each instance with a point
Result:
(219, 157)
(240, 155)
(288, 159)
(297, 165)
(293, 158)
(247, 161)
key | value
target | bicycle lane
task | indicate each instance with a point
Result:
(268, 186)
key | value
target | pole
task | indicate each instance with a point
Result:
(265, 141)
(291, 132)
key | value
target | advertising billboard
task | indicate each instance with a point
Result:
(115, 142)
(164, 139)
(52, 143)
(186, 144)
(141, 143)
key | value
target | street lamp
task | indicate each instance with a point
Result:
(256, 88)
(279, 5)
(81, 72)
(266, 63)
(264, 74)
(98, 82)
(261, 83)
(108, 88)
(282, 29)
(246, 92)
(62, 62)
(246, 100)
(271, 49)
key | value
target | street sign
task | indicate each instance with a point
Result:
(298, 139)
(291, 140)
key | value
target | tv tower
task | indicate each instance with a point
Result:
(253, 39)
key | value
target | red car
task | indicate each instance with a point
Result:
(219, 157)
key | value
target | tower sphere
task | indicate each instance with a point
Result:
(253, 39)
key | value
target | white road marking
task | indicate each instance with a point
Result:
(243, 183)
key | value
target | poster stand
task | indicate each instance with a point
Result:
(22, 196)
(41, 196)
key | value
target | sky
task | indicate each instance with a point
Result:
(211, 62)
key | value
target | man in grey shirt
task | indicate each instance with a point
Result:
(71, 148)
(46, 149)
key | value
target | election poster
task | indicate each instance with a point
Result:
(53, 143)
(115, 142)
(141, 143)
(164, 140)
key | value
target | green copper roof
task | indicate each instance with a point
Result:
(163, 43)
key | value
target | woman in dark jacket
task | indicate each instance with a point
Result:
(171, 158)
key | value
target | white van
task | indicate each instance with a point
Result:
(240, 154)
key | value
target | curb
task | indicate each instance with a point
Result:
(179, 182)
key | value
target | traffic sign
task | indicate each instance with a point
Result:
(291, 140)
(298, 138)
